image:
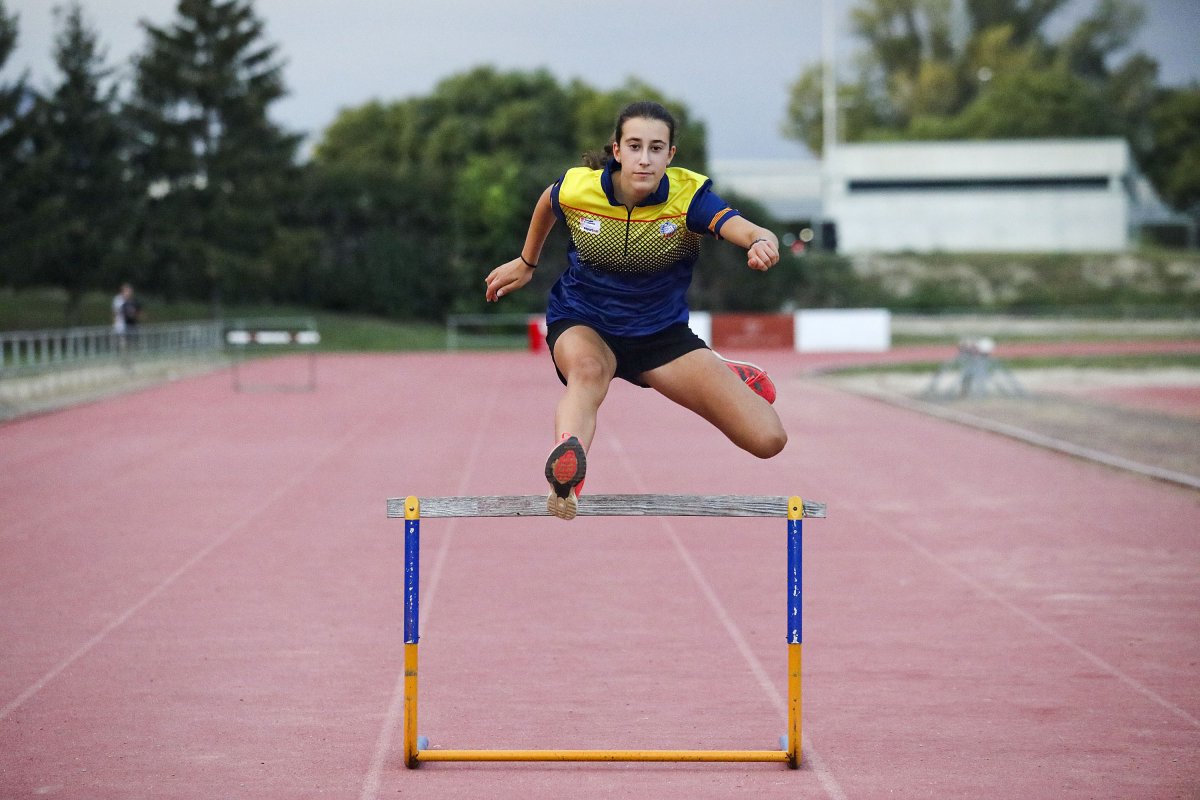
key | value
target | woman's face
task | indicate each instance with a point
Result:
(644, 153)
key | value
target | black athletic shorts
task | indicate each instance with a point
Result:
(635, 354)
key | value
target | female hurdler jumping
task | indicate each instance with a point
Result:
(620, 308)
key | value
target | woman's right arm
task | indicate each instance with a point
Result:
(512, 275)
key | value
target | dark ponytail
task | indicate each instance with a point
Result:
(593, 159)
(642, 109)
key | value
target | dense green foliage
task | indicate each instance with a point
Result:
(1151, 284)
(182, 188)
(417, 200)
(13, 142)
(181, 183)
(1174, 160)
(187, 189)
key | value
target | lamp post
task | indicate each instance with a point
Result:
(828, 77)
(829, 112)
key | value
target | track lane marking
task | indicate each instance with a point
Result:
(170, 579)
(981, 587)
(1038, 439)
(395, 709)
(824, 775)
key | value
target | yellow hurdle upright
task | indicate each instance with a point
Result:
(416, 748)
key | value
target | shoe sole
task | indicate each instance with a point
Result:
(566, 468)
(562, 507)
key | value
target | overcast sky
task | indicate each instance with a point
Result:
(731, 62)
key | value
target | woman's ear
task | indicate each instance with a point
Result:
(671, 156)
(616, 152)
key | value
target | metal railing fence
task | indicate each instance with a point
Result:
(27, 352)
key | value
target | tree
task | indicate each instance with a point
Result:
(919, 77)
(465, 157)
(77, 214)
(1174, 161)
(214, 167)
(12, 96)
(469, 162)
(15, 101)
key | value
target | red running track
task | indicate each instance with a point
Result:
(202, 599)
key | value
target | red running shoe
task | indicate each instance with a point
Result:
(753, 376)
(565, 470)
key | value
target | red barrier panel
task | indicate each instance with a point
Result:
(753, 331)
(537, 334)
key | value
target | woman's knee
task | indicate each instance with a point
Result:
(589, 371)
(768, 443)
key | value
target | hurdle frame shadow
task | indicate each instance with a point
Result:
(795, 509)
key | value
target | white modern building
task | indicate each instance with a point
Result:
(995, 196)
(1037, 195)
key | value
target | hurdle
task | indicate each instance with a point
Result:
(274, 332)
(411, 508)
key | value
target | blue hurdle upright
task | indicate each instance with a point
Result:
(416, 748)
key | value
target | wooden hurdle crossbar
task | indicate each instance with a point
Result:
(416, 748)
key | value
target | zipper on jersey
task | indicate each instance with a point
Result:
(628, 225)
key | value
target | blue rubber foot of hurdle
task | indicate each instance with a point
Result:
(422, 742)
(782, 743)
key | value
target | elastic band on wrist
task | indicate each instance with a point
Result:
(522, 257)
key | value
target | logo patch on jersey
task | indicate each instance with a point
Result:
(667, 228)
(589, 225)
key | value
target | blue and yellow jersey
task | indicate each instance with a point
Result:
(629, 271)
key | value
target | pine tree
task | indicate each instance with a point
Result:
(15, 101)
(214, 165)
(78, 201)
(11, 95)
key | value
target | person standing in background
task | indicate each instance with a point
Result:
(127, 312)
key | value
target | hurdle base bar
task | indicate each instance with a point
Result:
(756, 756)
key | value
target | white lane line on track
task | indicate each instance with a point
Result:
(1061, 446)
(391, 720)
(195, 559)
(1132, 683)
(832, 788)
(1041, 440)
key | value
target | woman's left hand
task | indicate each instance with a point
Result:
(762, 255)
(507, 278)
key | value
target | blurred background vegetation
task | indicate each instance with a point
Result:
(177, 180)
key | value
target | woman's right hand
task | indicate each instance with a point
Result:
(507, 278)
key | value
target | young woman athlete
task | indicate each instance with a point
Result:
(620, 308)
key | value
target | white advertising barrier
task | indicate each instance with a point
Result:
(839, 330)
(701, 324)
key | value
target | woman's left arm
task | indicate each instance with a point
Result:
(762, 246)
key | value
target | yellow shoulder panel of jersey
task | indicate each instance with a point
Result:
(581, 188)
